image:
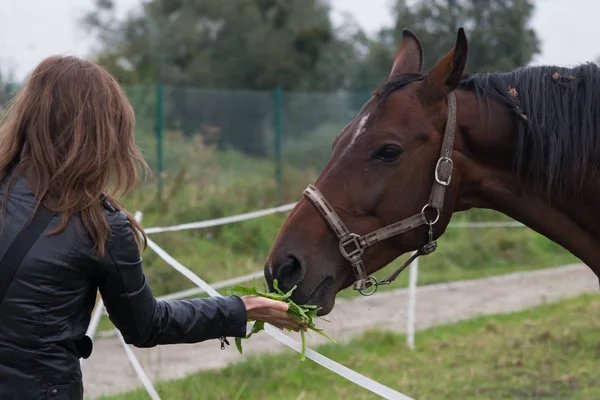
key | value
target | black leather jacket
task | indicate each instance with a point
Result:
(47, 307)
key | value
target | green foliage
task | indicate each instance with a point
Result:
(549, 352)
(249, 44)
(304, 314)
(260, 44)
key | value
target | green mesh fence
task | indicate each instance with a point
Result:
(277, 139)
(310, 123)
(143, 101)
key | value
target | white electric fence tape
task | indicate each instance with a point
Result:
(222, 221)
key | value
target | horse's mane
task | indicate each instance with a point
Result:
(557, 115)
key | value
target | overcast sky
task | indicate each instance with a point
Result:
(31, 30)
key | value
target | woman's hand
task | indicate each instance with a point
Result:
(274, 312)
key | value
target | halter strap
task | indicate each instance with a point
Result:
(352, 246)
(445, 166)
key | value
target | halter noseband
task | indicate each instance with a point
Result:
(352, 246)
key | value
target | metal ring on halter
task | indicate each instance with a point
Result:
(437, 217)
(373, 287)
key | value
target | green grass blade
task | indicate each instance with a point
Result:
(302, 313)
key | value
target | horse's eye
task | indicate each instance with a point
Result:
(388, 153)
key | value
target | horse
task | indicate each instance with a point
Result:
(427, 145)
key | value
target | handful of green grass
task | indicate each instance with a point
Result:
(302, 313)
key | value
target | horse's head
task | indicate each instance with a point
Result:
(391, 165)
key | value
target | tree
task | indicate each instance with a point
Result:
(248, 44)
(500, 38)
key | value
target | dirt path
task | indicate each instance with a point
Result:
(108, 370)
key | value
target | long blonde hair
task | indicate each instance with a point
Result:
(70, 133)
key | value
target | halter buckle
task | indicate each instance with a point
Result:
(437, 171)
(352, 239)
(366, 287)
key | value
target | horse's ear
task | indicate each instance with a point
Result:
(445, 76)
(409, 58)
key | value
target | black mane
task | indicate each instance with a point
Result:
(557, 114)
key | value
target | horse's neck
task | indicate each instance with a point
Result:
(488, 181)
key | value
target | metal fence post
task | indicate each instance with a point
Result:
(159, 137)
(278, 139)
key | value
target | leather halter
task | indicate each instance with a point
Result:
(352, 246)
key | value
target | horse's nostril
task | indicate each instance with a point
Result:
(288, 273)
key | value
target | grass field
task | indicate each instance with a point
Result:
(550, 352)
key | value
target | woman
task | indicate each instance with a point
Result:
(68, 138)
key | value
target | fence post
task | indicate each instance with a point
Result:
(159, 137)
(278, 139)
(412, 299)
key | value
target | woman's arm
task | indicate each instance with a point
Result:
(147, 322)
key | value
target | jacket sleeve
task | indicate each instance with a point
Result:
(147, 322)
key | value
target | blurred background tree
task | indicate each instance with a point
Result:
(238, 44)
(259, 44)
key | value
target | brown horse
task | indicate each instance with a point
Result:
(524, 143)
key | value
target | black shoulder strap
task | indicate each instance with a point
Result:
(20, 246)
